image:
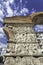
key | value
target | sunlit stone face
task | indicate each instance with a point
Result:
(23, 61)
(24, 40)
(24, 45)
(23, 33)
(23, 49)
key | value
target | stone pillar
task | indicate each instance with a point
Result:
(23, 47)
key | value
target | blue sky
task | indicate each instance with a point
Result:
(10, 8)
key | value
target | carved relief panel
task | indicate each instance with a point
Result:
(22, 41)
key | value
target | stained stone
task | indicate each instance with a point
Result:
(24, 61)
(23, 47)
(31, 38)
(9, 61)
(41, 60)
(35, 61)
(23, 37)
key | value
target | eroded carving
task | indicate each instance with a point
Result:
(23, 44)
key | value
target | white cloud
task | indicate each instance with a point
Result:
(2, 45)
(33, 10)
(6, 4)
(11, 1)
(24, 11)
(16, 13)
(1, 30)
(1, 19)
(3, 48)
(1, 35)
(1, 13)
(21, 1)
(3, 52)
(9, 11)
(0, 6)
(8, 8)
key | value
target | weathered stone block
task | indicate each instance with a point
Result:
(24, 61)
(22, 40)
(23, 49)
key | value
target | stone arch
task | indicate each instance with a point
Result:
(37, 18)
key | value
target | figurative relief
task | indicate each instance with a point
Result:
(24, 46)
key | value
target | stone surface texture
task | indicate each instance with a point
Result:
(23, 47)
